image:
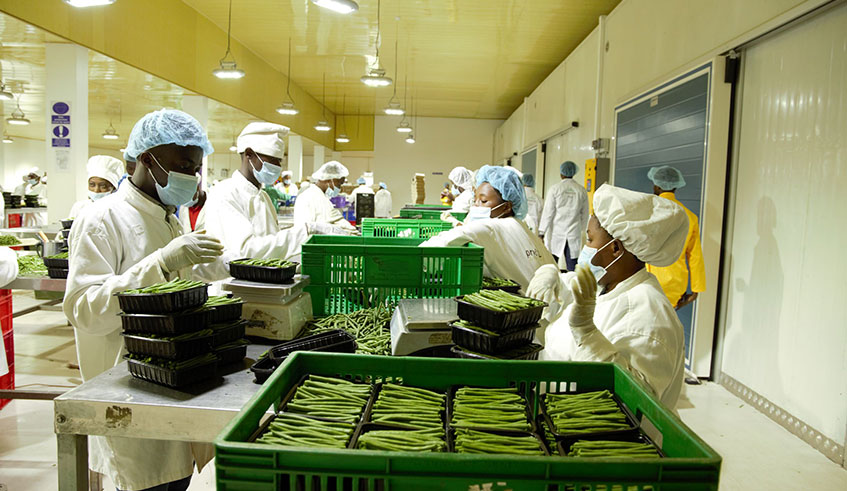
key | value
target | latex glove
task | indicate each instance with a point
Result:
(446, 216)
(584, 291)
(190, 249)
(545, 285)
(317, 228)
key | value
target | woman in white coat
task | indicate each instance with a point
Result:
(104, 174)
(382, 202)
(313, 203)
(8, 272)
(534, 203)
(494, 222)
(463, 195)
(631, 322)
(565, 217)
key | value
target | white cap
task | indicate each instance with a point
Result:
(287, 173)
(33, 170)
(652, 228)
(105, 167)
(461, 177)
(331, 170)
(263, 138)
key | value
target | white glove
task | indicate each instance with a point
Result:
(545, 284)
(584, 291)
(190, 249)
(446, 216)
(316, 228)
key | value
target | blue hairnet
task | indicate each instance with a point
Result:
(382, 185)
(568, 169)
(163, 127)
(508, 184)
(360, 180)
(666, 177)
(528, 180)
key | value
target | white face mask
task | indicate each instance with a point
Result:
(586, 255)
(477, 213)
(454, 191)
(268, 174)
(95, 196)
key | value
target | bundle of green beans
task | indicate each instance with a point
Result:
(176, 285)
(294, 430)
(9, 240)
(61, 255)
(333, 398)
(177, 364)
(266, 263)
(609, 448)
(366, 325)
(468, 325)
(409, 406)
(31, 266)
(217, 301)
(183, 337)
(488, 282)
(495, 409)
(403, 441)
(588, 412)
(478, 442)
(500, 301)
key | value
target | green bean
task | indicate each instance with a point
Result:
(367, 326)
(172, 286)
(216, 301)
(9, 240)
(289, 429)
(500, 301)
(589, 412)
(183, 337)
(609, 448)
(265, 263)
(496, 409)
(330, 398)
(478, 442)
(31, 266)
(401, 441)
(61, 255)
(409, 407)
(488, 282)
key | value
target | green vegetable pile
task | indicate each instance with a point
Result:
(402, 441)
(366, 325)
(500, 301)
(332, 398)
(294, 430)
(31, 266)
(412, 407)
(607, 448)
(9, 240)
(588, 412)
(495, 409)
(173, 286)
(61, 255)
(177, 364)
(266, 263)
(182, 337)
(217, 301)
(488, 282)
(478, 442)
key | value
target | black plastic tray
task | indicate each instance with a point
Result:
(541, 445)
(498, 321)
(481, 342)
(66, 233)
(67, 223)
(225, 313)
(451, 394)
(228, 333)
(335, 341)
(262, 274)
(630, 418)
(231, 354)
(564, 446)
(56, 263)
(171, 378)
(57, 273)
(169, 324)
(262, 369)
(459, 352)
(163, 348)
(163, 303)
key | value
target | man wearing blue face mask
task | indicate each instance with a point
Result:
(313, 203)
(131, 239)
(631, 322)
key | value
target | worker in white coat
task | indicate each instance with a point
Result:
(382, 202)
(614, 310)
(313, 203)
(361, 188)
(30, 179)
(285, 185)
(8, 272)
(565, 217)
(104, 174)
(534, 203)
(494, 222)
(463, 194)
(34, 185)
(132, 239)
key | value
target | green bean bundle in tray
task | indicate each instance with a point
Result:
(498, 310)
(9, 240)
(176, 347)
(263, 270)
(224, 308)
(489, 283)
(638, 449)
(31, 266)
(173, 373)
(367, 326)
(490, 409)
(431, 440)
(296, 430)
(327, 397)
(497, 442)
(57, 262)
(409, 407)
(597, 412)
(163, 298)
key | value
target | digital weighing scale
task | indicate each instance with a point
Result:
(274, 310)
(419, 327)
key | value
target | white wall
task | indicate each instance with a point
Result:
(442, 143)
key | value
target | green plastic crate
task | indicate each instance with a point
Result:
(407, 228)
(351, 273)
(690, 463)
(434, 207)
(428, 214)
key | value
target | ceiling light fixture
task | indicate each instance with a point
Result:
(342, 137)
(110, 133)
(287, 108)
(7, 138)
(404, 126)
(376, 75)
(394, 108)
(340, 6)
(322, 124)
(233, 148)
(18, 117)
(88, 3)
(5, 94)
(228, 68)
(410, 138)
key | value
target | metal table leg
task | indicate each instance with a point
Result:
(72, 461)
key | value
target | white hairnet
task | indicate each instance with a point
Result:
(508, 184)
(666, 177)
(263, 138)
(652, 228)
(331, 170)
(461, 177)
(105, 167)
(287, 173)
(163, 127)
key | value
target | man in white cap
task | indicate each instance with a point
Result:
(631, 322)
(104, 174)
(313, 203)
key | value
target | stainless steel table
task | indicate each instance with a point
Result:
(116, 404)
(23, 211)
(42, 283)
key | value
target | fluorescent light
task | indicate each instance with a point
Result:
(17, 120)
(228, 70)
(410, 138)
(233, 148)
(342, 138)
(394, 109)
(7, 138)
(109, 136)
(376, 78)
(287, 109)
(323, 126)
(340, 6)
(404, 128)
(110, 133)
(88, 3)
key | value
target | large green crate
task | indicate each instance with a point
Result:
(429, 214)
(351, 273)
(434, 207)
(408, 228)
(690, 463)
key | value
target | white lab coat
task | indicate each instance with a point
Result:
(360, 190)
(382, 204)
(8, 272)
(565, 217)
(636, 327)
(20, 189)
(244, 219)
(534, 206)
(290, 190)
(463, 201)
(117, 244)
(78, 207)
(185, 220)
(38, 219)
(511, 250)
(312, 205)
